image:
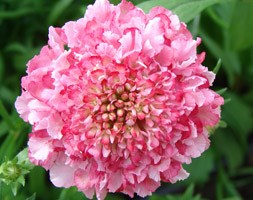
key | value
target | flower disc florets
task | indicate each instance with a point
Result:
(124, 106)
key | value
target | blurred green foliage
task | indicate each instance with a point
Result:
(225, 171)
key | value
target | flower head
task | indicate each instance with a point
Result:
(118, 101)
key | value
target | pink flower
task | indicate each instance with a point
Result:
(118, 101)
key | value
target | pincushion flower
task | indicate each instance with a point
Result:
(118, 101)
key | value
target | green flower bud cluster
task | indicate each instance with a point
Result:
(12, 172)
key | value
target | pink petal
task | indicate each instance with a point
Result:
(62, 175)
(115, 181)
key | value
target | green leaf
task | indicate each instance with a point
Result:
(21, 180)
(71, 193)
(113, 196)
(189, 10)
(57, 10)
(146, 6)
(115, 2)
(242, 27)
(222, 14)
(14, 188)
(22, 155)
(6, 117)
(1, 67)
(188, 193)
(200, 168)
(217, 19)
(246, 171)
(13, 141)
(6, 193)
(217, 67)
(7, 95)
(24, 161)
(239, 118)
(16, 47)
(20, 60)
(15, 13)
(221, 91)
(9, 141)
(185, 9)
(4, 128)
(229, 59)
(228, 185)
(1, 189)
(228, 146)
(38, 181)
(194, 26)
(33, 197)
(227, 100)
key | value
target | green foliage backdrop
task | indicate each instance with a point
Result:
(225, 171)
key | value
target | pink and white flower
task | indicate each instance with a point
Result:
(118, 101)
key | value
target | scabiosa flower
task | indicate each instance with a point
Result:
(118, 101)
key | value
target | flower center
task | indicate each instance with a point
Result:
(118, 109)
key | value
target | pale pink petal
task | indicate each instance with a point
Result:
(153, 37)
(62, 175)
(115, 181)
(55, 125)
(40, 147)
(146, 187)
(21, 105)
